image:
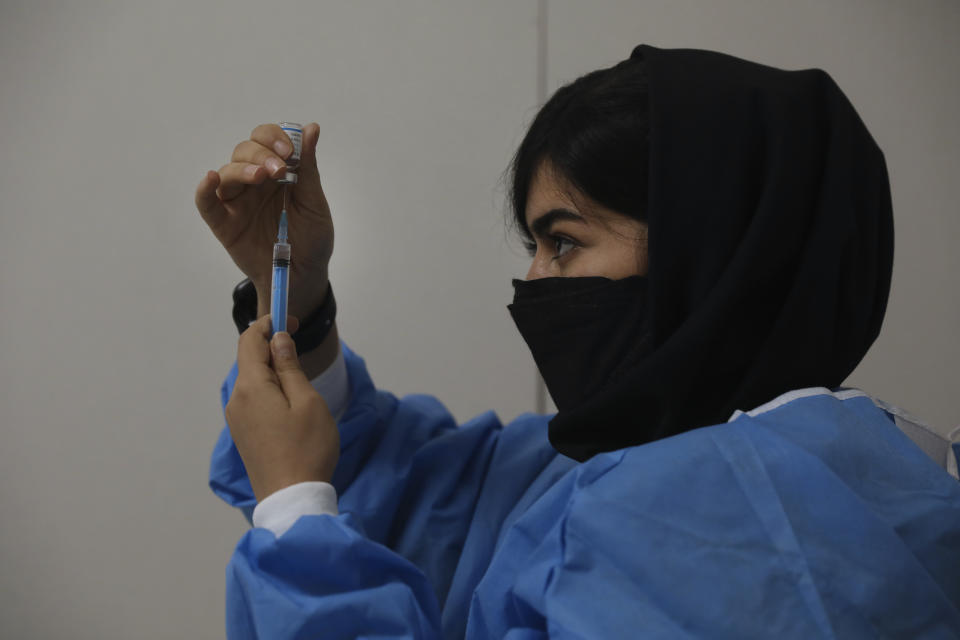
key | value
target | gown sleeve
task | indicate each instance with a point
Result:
(408, 480)
(324, 579)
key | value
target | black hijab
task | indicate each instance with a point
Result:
(770, 249)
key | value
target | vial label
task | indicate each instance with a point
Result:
(295, 132)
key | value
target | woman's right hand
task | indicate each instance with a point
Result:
(241, 204)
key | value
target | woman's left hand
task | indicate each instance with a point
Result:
(280, 424)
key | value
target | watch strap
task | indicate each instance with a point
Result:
(313, 329)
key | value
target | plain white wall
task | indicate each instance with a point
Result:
(116, 328)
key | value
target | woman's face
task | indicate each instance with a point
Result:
(576, 236)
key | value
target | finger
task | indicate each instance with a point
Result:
(309, 174)
(236, 177)
(264, 325)
(272, 136)
(308, 151)
(208, 204)
(293, 323)
(293, 380)
(255, 153)
(253, 352)
(309, 190)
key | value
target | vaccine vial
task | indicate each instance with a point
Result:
(294, 131)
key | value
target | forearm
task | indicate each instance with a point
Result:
(318, 360)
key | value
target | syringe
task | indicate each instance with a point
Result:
(281, 250)
(281, 275)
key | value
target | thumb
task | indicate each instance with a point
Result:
(293, 381)
(309, 174)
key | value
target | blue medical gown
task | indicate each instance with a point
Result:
(818, 518)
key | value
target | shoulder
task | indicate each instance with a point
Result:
(818, 504)
(797, 438)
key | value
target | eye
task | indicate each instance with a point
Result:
(561, 246)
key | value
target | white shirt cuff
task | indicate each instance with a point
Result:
(334, 385)
(281, 509)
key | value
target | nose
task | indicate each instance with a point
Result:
(537, 269)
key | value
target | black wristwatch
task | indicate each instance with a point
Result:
(313, 329)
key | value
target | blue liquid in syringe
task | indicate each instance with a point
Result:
(281, 278)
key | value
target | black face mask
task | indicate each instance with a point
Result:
(584, 332)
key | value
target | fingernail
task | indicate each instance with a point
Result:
(283, 346)
(273, 165)
(251, 170)
(282, 147)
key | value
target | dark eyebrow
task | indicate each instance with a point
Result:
(541, 226)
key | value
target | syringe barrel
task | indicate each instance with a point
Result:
(279, 289)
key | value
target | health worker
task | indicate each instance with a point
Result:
(712, 247)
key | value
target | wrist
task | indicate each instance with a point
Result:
(317, 333)
(303, 300)
(316, 361)
(263, 303)
(307, 297)
(266, 487)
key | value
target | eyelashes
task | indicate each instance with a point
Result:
(559, 242)
(561, 246)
